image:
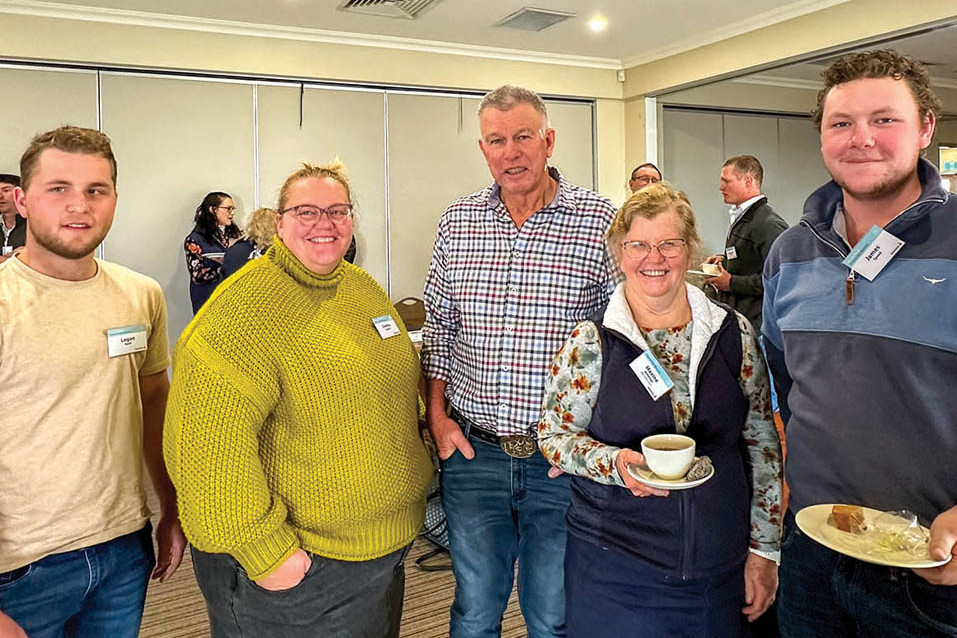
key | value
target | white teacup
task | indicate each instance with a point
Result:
(668, 455)
(710, 269)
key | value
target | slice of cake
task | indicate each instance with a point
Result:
(847, 518)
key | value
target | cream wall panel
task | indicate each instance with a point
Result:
(434, 158)
(175, 140)
(347, 124)
(574, 147)
(38, 101)
(801, 167)
(612, 170)
(692, 157)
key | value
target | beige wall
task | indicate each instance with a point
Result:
(734, 94)
(142, 46)
(829, 29)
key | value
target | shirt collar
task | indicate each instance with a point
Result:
(736, 211)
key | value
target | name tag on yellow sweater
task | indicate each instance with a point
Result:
(385, 326)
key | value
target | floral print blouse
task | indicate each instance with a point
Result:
(572, 390)
(201, 267)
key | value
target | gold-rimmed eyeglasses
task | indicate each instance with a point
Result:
(640, 250)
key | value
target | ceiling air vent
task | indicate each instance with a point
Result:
(531, 19)
(408, 9)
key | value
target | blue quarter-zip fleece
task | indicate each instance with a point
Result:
(868, 389)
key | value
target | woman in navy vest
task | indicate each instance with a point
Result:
(640, 560)
(206, 244)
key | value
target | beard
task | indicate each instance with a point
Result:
(887, 187)
(53, 244)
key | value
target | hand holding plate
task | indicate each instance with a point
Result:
(943, 544)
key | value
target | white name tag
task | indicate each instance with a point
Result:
(652, 375)
(385, 326)
(731, 252)
(126, 340)
(873, 252)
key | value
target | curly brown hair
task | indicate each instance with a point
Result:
(879, 64)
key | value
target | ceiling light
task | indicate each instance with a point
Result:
(598, 23)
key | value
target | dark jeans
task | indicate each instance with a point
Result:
(500, 509)
(360, 599)
(612, 594)
(825, 594)
(85, 593)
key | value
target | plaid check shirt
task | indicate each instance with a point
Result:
(500, 301)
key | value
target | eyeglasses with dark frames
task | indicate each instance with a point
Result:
(308, 215)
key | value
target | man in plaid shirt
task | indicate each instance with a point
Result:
(515, 267)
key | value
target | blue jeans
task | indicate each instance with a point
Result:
(825, 594)
(93, 592)
(500, 509)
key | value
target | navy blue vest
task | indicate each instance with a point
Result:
(689, 534)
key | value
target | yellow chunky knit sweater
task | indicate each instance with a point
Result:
(291, 423)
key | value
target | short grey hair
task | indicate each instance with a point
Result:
(507, 96)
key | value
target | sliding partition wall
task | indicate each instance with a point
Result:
(408, 154)
(697, 141)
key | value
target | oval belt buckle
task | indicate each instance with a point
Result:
(518, 446)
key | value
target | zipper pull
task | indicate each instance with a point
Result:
(849, 288)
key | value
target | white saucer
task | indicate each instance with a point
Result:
(812, 520)
(700, 273)
(644, 474)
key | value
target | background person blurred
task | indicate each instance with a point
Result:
(12, 225)
(754, 227)
(677, 563)
(206, 245)
(644, 175)
(292, 433)
(256, 239)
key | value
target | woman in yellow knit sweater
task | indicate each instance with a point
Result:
(291, 434)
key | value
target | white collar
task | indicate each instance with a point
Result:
(706, 318)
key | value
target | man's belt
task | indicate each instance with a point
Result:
(518, 446)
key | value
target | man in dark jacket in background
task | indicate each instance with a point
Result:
(754, 227)
(13, 226)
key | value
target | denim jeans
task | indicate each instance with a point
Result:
(825, 594)
(336, 598)
(609, 593)
(86, 593)
(500, 509)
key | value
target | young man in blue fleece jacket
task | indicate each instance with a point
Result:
(864, 357)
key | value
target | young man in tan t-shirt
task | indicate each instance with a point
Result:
(83, 357)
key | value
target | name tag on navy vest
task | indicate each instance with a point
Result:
(652, 375)
(731, 252)
(385, 326)
(126, 340)
(873, 252)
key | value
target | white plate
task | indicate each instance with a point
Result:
(641, 472)
(813, 521)
(700, 272)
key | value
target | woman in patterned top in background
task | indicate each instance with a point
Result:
(696, 562)
(206, 245)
